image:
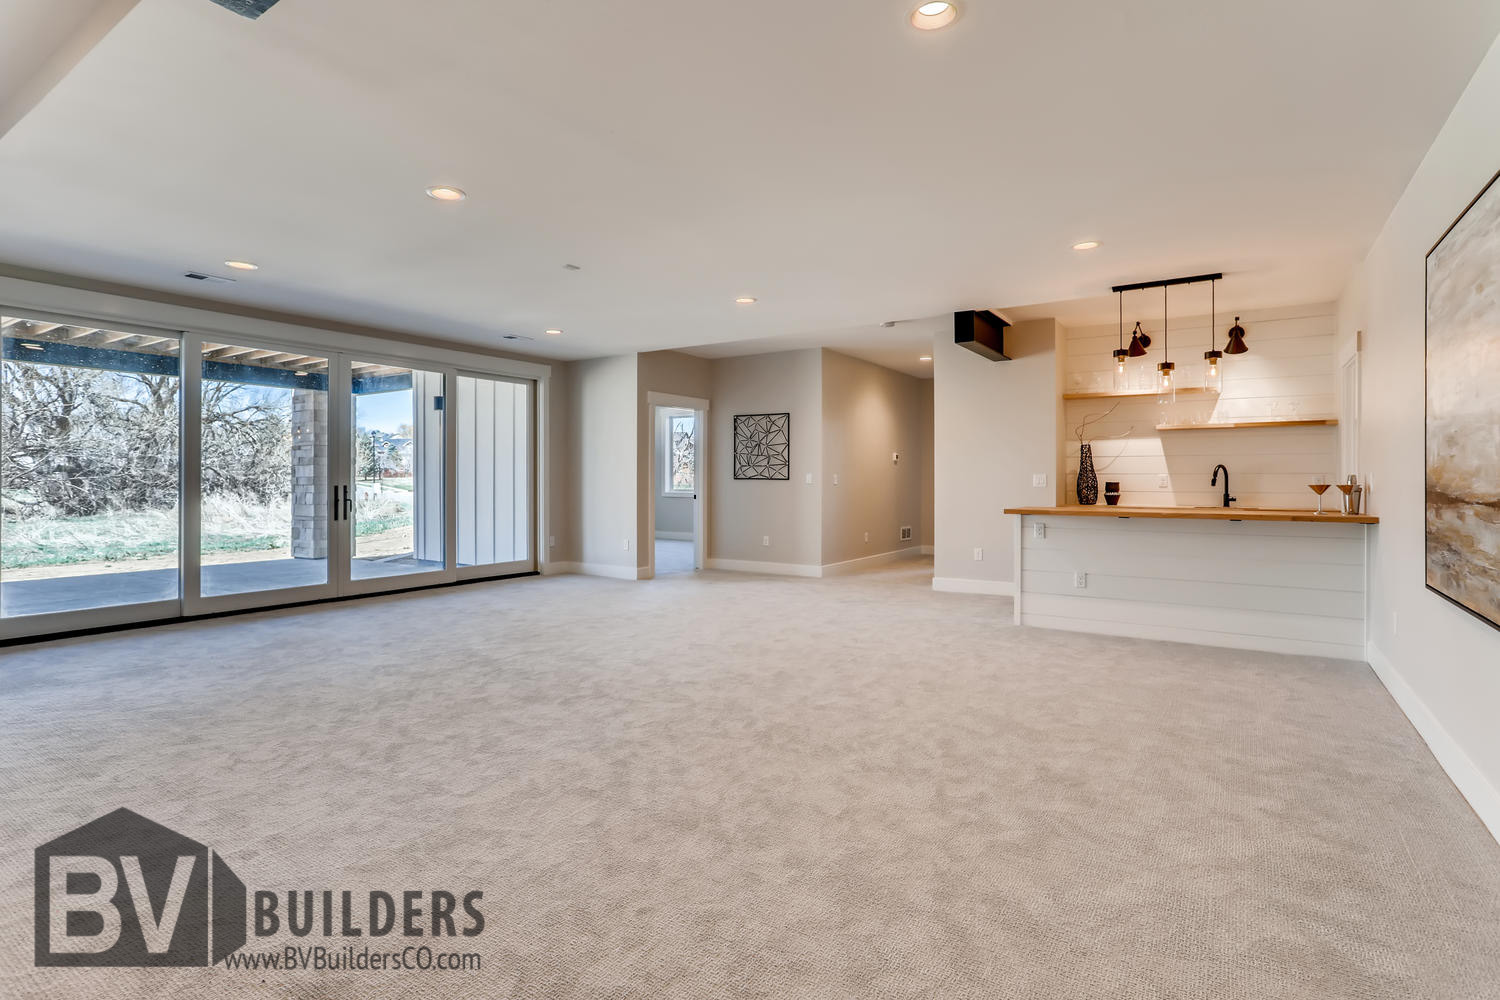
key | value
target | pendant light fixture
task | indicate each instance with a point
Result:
(1121, 354)
(1236, 343)
(1140, 339)
(1166, 368)
(1212, 379)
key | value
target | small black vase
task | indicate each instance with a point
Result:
(1088, 482)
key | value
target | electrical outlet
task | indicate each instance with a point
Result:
(1039, 530)
(835, 479)
(765, 541)
(627, 545)
(1039, 479)
(1080, 580)
(1163, 483)
(895, 458)
(979, 555)
(867, 536)
(551, 541)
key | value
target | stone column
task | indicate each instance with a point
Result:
(310, 474)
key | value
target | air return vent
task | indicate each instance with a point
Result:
(247, 8)
(515, 336)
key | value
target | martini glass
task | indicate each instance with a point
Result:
(1319, 489)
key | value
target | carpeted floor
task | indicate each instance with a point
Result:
(725, 786)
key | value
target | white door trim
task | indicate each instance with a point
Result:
(700, 408)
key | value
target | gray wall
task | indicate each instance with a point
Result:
(745, 511)
(869, 414)
(604, 460)
(994, 425)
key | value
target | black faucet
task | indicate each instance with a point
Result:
(1215, 482)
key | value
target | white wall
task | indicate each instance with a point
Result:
(994, 426)
(746, 511)
(1288, 374)
(870, 413)
(1442, 665)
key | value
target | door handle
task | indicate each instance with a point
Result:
(347, 502)
(333, 503)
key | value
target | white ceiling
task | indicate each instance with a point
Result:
(822, 156)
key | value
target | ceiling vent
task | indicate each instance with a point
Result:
(982, 332)
(515, 336)
(247, 8)
(208, 279)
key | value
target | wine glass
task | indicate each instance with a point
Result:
(1320, 487)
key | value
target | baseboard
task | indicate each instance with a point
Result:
(1471, 782)
(606, 570)
(867, 562)
(675, 536)
(560, 568)
(770, 568)
(957, 585)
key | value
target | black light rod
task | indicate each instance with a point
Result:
(1167, 281)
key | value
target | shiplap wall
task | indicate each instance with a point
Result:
(1290, 373)
(1287, 588)
(494, 474)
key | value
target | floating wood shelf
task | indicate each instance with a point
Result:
(1200, 514)
(1190, 391)
(1320, 422)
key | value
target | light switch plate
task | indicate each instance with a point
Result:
(835, 479)
(765, 541)
(979, 555)
(808, 479)
(1039, 479)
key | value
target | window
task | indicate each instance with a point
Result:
(681, 454)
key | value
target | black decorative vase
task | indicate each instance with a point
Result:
(1088, 482)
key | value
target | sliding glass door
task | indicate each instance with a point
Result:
(89, 461)
(396, 519)
(264, 463)
(147, 474)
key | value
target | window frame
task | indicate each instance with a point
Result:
(668, 416)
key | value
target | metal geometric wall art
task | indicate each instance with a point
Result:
(763, 446)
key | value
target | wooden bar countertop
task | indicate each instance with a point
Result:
(1200, 514)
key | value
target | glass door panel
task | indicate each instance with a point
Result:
(493, 418)
(264, 480)
(89, 467)
(396, 511)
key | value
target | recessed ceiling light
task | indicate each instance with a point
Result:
(931, 16)
(1087, 245)
(745, 300)
(925, 357)
(443, 192)
(242, 265)
(554, 333)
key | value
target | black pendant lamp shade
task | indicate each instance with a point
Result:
(1139, 341)
(1236, 343)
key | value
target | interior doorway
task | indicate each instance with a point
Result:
(678, 491)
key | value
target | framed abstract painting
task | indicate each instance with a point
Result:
(1463, 409)
(762, 445)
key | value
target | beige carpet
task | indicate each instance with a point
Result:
(732, 786)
